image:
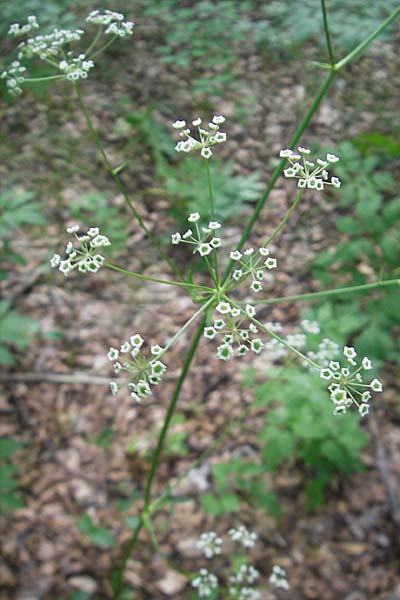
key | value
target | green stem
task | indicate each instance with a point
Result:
(284, 220)
(210, 189)
(202, 288)
(338, 291)
(358, 49)
(327, 34)
(119, 183)
(94, 42)
(275, 175)
(170, 411)
(103, 47)
(150, 529)
(172, 341)
(118, 579)
(275, 336)
(47, 78)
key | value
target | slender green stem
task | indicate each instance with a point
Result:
(210, 188)
(327, 34)
(202, 288)
(103, 47)
(172, 341)
(47, 78)
(118, 579)
(274, 335)
(171, 409)
(335, 292)
(154, 540)
(358, 49)
(275, 175)
(94, 42)
(119, 183)
(284, 220)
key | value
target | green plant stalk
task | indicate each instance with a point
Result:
(210, 189)
(335, 292)
(202, 288)
(327, 34)
(334, 69)
(119, 183)
(94, 41)
(170, 411)
(103, 47)
(117, 583)
(150, 529)
(284, 220)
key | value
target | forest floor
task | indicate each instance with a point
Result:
(85, 450)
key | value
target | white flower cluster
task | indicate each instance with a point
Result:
(230, 327)
(49, 45)
(205, 583)
(252, 263)
(14, 77)
(143, 372)
(313, 175)
(242, 535)
(327, 350)
(77, 68)
(206, 137)
(85, 256)
(278, 578)
(346, 385)
(203, 239)
(114, 22)
(239, 582)
(16, 29)
(210, 544)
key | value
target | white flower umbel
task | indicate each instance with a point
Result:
(346, 384)
(242, 535)
(252, 264)
(203, 239)
(278, 578)
(210, 544)
(205, 583)
(17, 30)
(206, 138)
(55, 49)
(237, 340)
(113, 22)
(309, 174)
(142, 372)
(82, 254)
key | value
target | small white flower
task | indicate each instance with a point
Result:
(363, 409)
(179, 124)
(366, 363)
(125, 347)
(204, 249)
(271, 263)
(256, 286)
(215, 242)
(376, 385)
(349, 352)
(256, 345)
(250, 310)
(136, 340)
(210, 544)
(335, 181)
(243, 535)
(214, 225)
(278, 578)
(55, 260)
(219, 324)
(73, 229)
(263, 251)
(325, 374)
(206, 153)
(209, 332)
(225, 351)
(218, 119)
(235, 255)
(113, 354)
(303, 150)
(224, 308)
(176, 238)
(196, 122)
(193, 217)
(332, 158)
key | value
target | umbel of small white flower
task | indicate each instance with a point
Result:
(278, 578)
(50, 48)
(244, 577)
(310, 174)
(203, 239)
(142, 372)
(84, 255)
(346, 383)
(237, 340)
(206, 137)
(205, 583)
(252, 264)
